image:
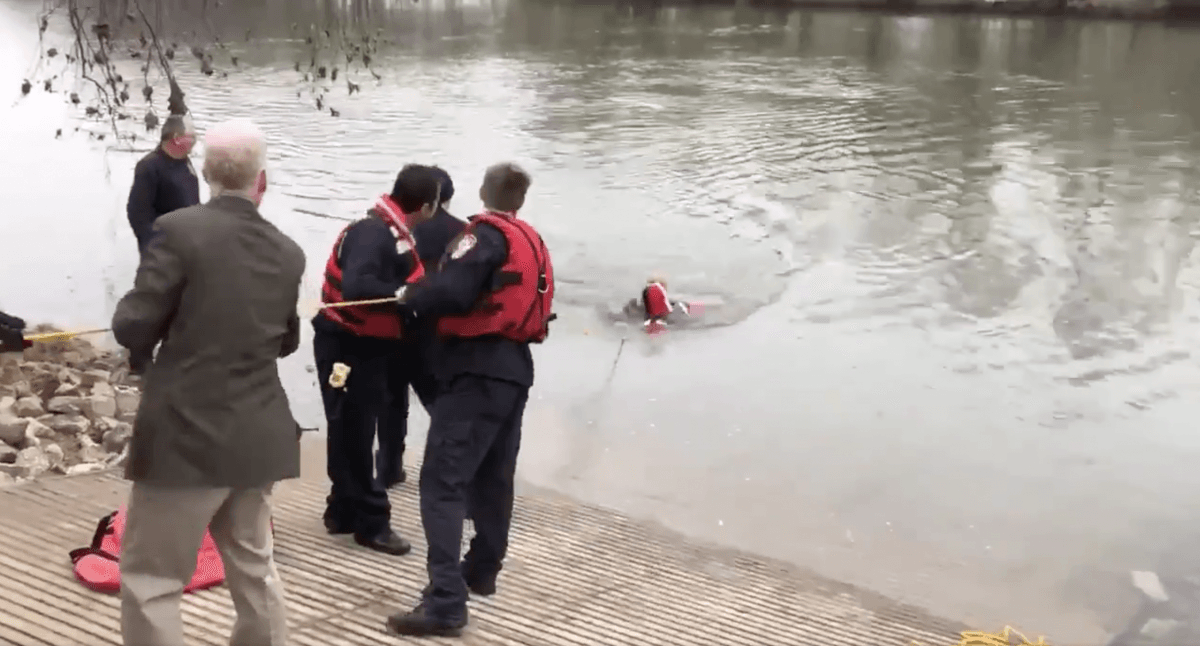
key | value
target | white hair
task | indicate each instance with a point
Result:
(235, 152)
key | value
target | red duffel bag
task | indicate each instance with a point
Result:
(98, 566)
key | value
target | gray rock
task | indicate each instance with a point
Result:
(119, 458)
(55, 457)
(23, 388)
(30, 406)
(118, 438)
(95, 376)
(65, 405)
(98, 406)
(128, 400)
(8, 455)
(67, 389)
(6, 480)
(12, 428)
(14, 471)
(104, 388)
(34, 460)
(69, 376)
(36, 432)
(73, 424)
(85, 467)
(89, 451)
(103, 424)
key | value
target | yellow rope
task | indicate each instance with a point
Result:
(373, 301)
(1003, 638)
(47, 337)
(50, 337)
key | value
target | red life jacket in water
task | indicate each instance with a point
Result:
(381, 320)
(517, 304)
(98, 566)
(655, 302)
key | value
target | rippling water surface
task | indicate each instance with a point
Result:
(953, 258)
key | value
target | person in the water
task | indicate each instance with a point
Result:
(657, 306)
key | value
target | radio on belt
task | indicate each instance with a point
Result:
(337, 378)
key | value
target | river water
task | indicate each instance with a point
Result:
(951, 264)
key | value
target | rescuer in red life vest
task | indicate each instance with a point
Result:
(411, 364)
(492, 297)
(371, 258)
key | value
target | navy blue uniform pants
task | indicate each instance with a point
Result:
(470, 465)
(406, 367)
(357, 501)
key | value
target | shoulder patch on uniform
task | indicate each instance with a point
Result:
(464, 244)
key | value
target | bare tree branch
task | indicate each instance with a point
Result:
(100, 47)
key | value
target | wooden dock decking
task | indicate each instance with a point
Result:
(575, 575)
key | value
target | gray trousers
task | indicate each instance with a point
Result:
(163, 532)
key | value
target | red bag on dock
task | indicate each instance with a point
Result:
(98, 566)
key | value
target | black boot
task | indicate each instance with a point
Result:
(481, 586)
(388, 542)
(416, 623)
(395, 479)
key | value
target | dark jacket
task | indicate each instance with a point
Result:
(161, 184)
(218, 285)
(454, 289)
(433, 237)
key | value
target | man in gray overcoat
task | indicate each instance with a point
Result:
(218, 286)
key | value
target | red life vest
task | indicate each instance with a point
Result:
(517, 306)
(380, 320)
(98, 566)
(654, 300)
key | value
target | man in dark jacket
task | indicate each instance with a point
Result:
(218, 286)
(371, 259)
(410, 364)
(164, 180)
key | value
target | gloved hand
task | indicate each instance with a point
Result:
(12, 334)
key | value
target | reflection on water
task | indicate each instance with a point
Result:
(927, 235)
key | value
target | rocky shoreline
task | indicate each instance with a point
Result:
(66, 407)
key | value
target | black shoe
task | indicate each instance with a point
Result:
(482, 587)
(389, 542)
(416, 623)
